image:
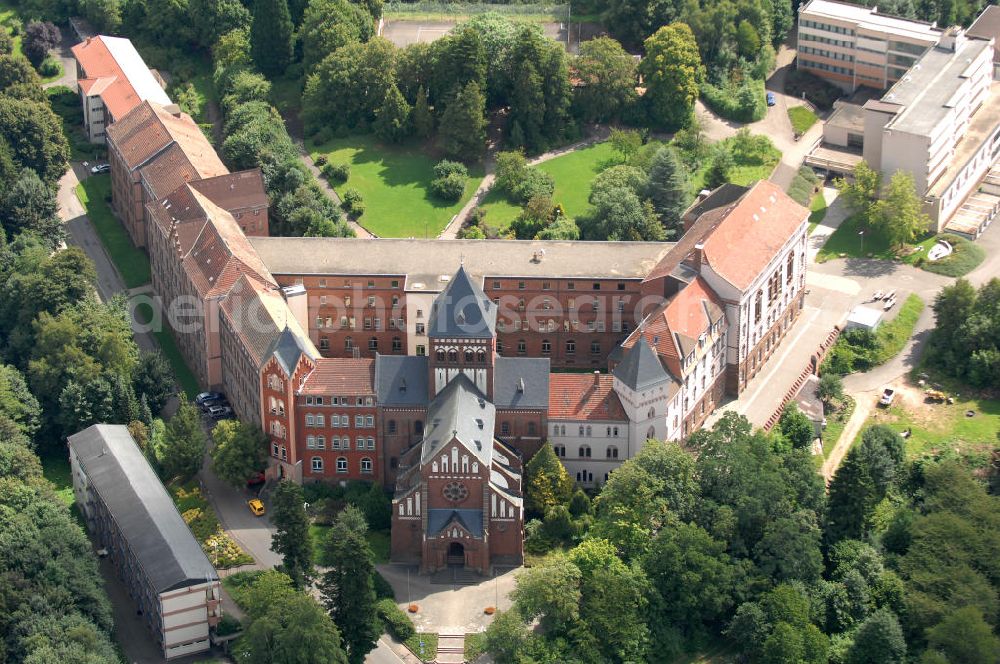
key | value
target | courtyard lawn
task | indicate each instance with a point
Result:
(168, 346)
(132, 263)
(55, 468)
(846, 241)
(573, 173)
(802, 119)
(394, 182)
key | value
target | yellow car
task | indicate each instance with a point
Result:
(256, 506)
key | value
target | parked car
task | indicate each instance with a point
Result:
(205, 406)
(100, 168)
(256, 480)
(220, 412)
(771, 99)
(208, 396)
(256, 506)
(888, 394)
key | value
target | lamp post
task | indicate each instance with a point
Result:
(862, 234)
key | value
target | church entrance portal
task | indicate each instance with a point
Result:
(456, 554)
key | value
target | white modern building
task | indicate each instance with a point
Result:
(135, 523)
(852, 46)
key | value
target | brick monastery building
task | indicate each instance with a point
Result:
(437, 367)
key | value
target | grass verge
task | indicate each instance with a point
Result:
(204, 524)
(818, 210)
(132, 263)
(835, 423)
(894, 334)
(475, 645)
(394, 182)
(168, 346)
(424, 645)
(55, 468)
(802, 119)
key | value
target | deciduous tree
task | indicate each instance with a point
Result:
(671, 70)
(899, 214)
(240, 451)
(547, 484)
(184, 442)
(607, 75)
(29, 205)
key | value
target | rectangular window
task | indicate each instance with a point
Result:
(359, 420)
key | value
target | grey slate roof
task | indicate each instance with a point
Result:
(439, 519)
(167, 551)
(462, 310)
(401, 380)
(521, 382)
(461, 412)
(288, 348)
(641, 368)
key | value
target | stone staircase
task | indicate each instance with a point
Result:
(456, 576)
(451, 648)
(809, 370)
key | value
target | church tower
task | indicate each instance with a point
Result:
(462, 336)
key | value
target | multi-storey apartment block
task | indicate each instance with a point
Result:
(852, 46)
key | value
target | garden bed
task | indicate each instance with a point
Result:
(965, 257)
(221, 550)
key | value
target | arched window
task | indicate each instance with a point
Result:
(439, 355)
(469, 355)
(612, 452)
(560, 450)
(310, 442)
(320, 421)
(372, 343)
(546, 346)
(309, 420)
(366, 465)
(348, 343)
(341, 465)
(453, 356)
(570, 346)
(317, 464)
(651, 433)
(651, 414)
(588, 431)
(481, 357)
(418, 428)
(585, 451)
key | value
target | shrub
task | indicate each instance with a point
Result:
(446, 167)
(228, 624)
(396, 622)
(336, 172)
(534, 183)
(320, 160)
(744, 102)
(352, 202)
(965, 258)
(449, 188)
(50, 67)
(39, 38)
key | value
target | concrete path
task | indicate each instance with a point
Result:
(307, 159)
(836, 212)
(65, 57)
(451, 647)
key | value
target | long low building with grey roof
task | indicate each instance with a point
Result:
(132, 518)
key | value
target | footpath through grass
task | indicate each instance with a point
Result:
(132, 263)
(168, 346)
(573, 174)
(394, 182)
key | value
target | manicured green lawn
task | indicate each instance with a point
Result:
(424, 645)
(802, 119)
(573, 174)
(965, 257)
(845, 240)
(132, 263)
(394, 182)
(168, 346)
(758, 167)
(378, 540)
(818, 207)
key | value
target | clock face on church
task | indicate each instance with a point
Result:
(455, 491)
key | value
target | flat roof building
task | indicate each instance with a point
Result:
(132, 517)
(852, 46)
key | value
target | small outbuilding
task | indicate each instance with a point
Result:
(864, 317)
(136, 524)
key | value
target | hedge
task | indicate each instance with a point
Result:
(726, 101)
(396, 622)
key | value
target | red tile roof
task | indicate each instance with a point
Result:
(752, 232)
(341, 376)
(674, 327)
(104, 76)
(150, 128)
(575, 396)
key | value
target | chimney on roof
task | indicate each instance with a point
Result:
(696, 256)
(520, 385)
(597, 378)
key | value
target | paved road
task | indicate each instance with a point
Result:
(65, 56)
